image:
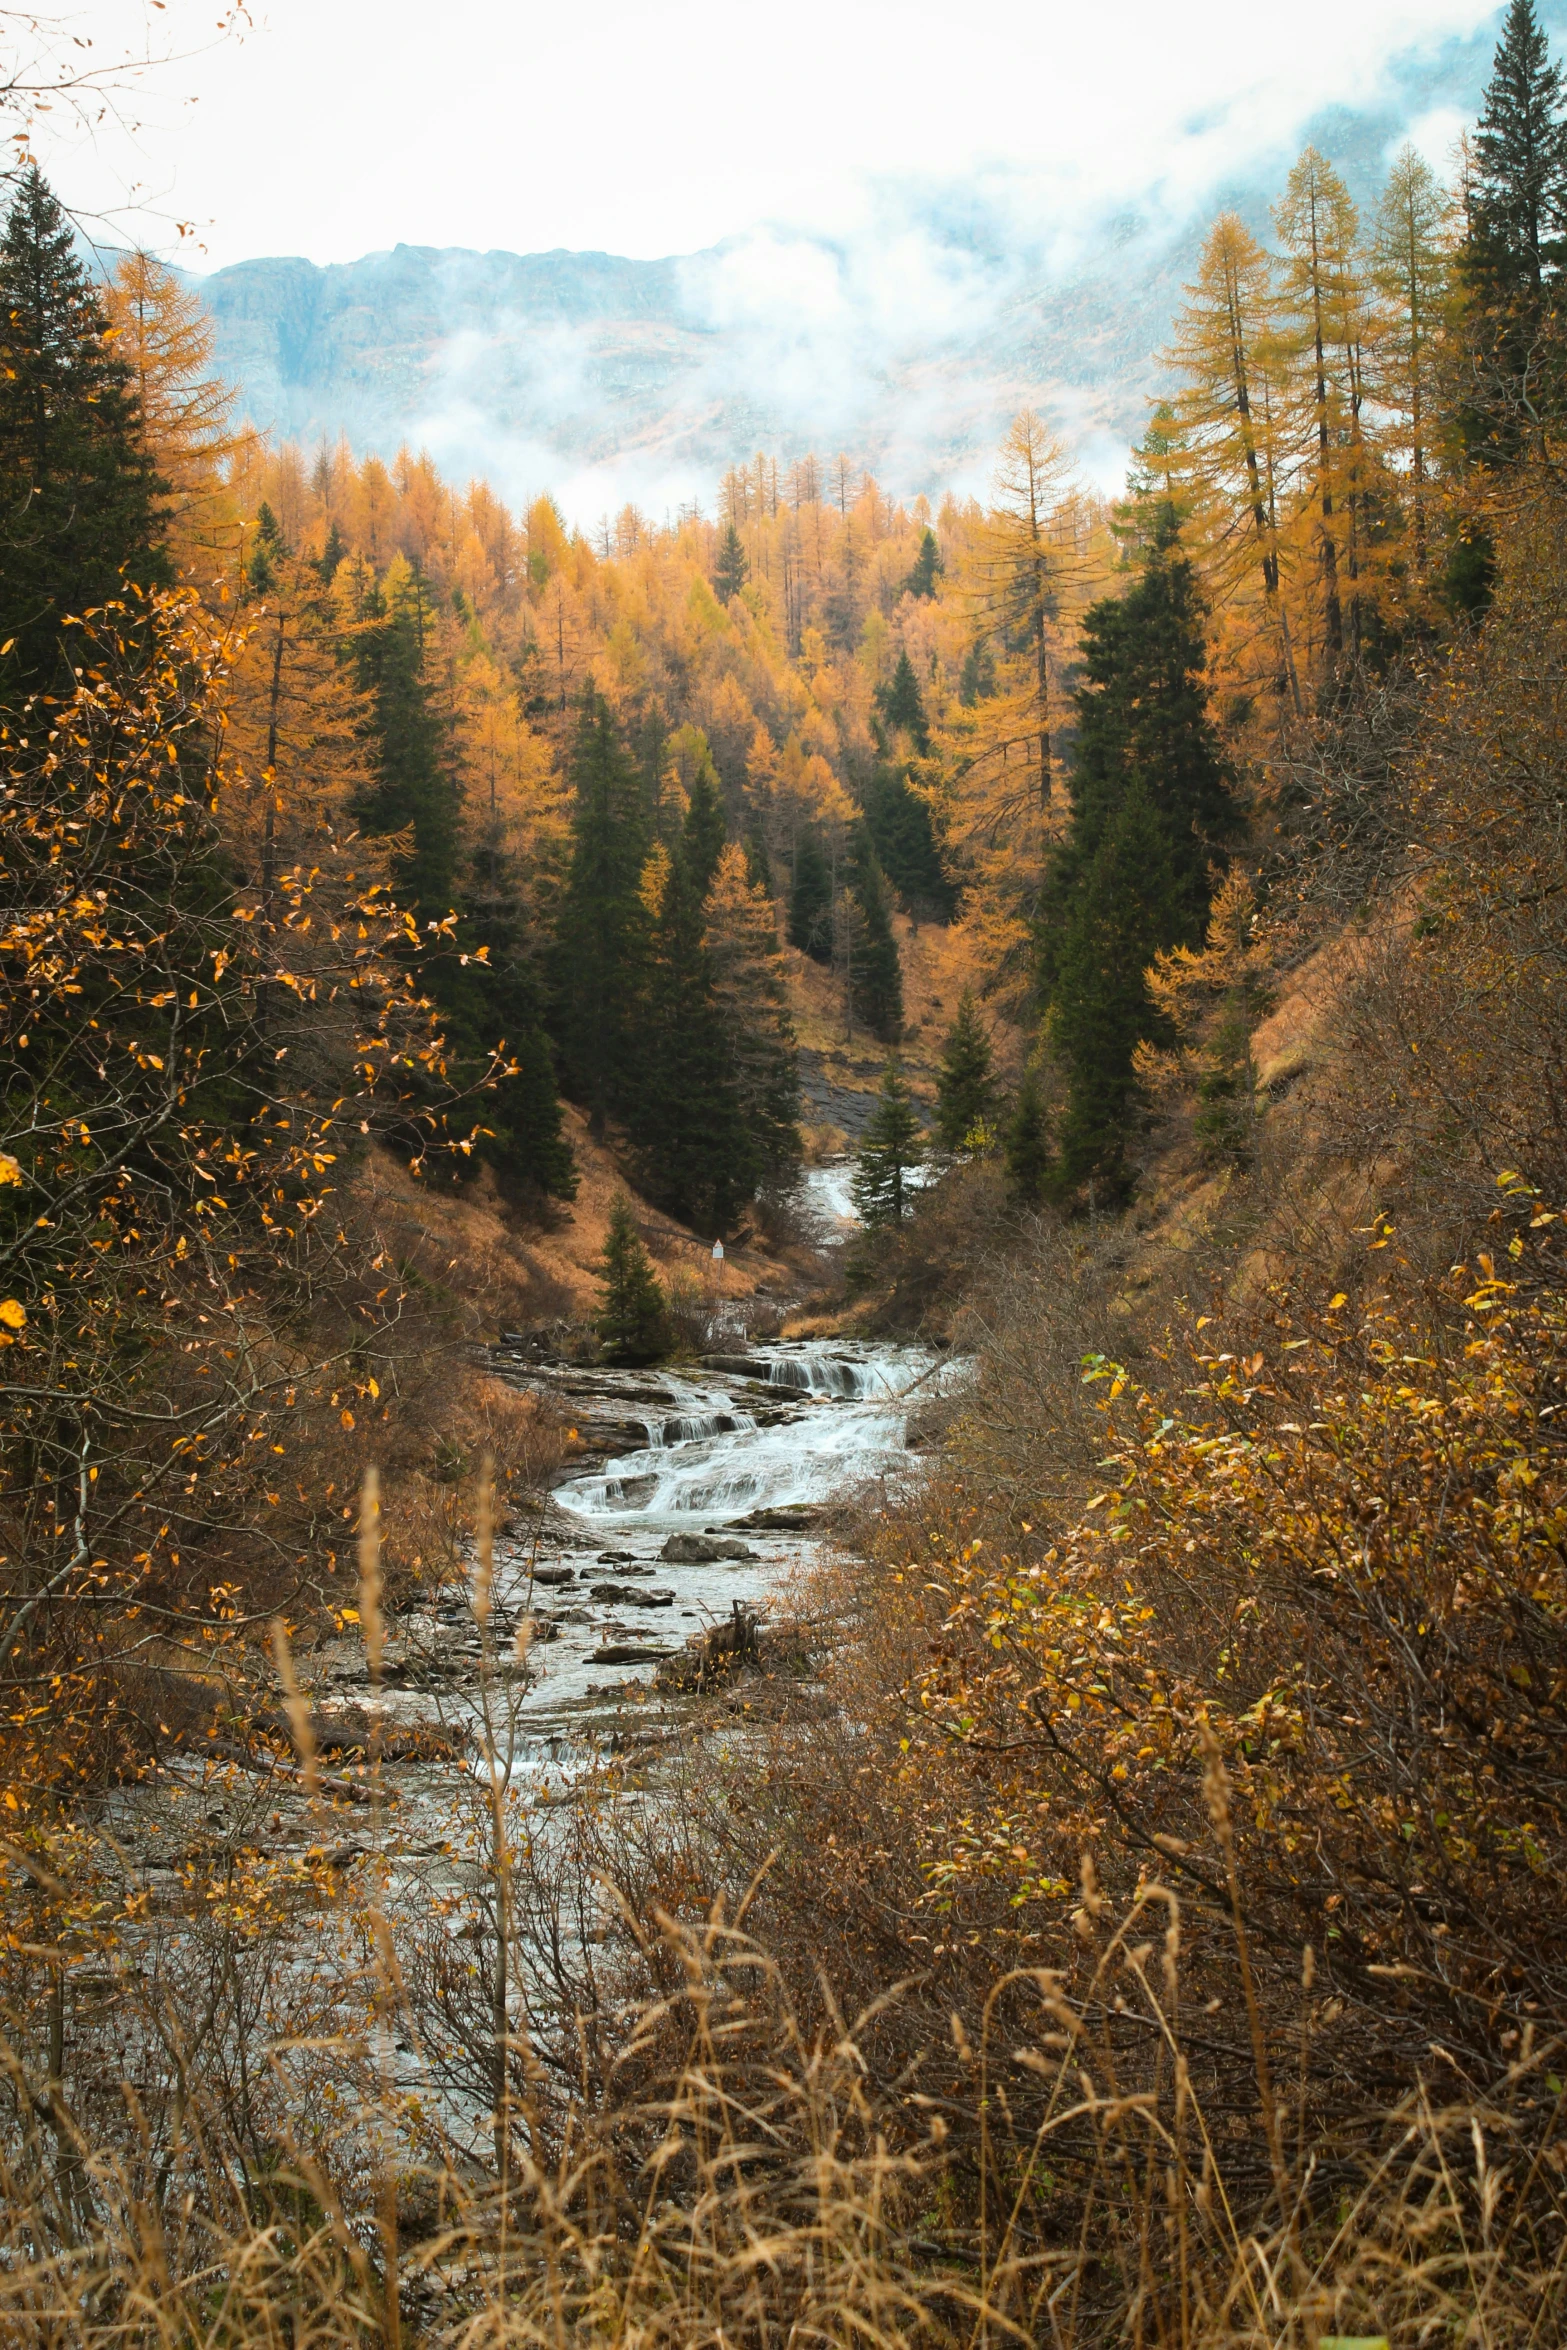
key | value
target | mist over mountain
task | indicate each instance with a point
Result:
(907, 342)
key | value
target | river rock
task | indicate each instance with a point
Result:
(631, 1594)
(790, 1517)
(552, 1576)
(702, 1550)
(629, 1653)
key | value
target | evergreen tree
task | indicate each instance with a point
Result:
(732, 569)
(753, 1014)
(758, 865)
(631, 1321)
(904, 838)
(810, 900)
(695, 1155)
(901, 706)
(1143, 719)
(601, 942)
(1025, 1146)
(1513, 255)
(1127, 909)
(332, 554)
(496, 1004)
(704, 832)
(78, 493)
(412, 795)
(1151, 813)
(965, 1085)
(892, 1147)
(875, 976)
(928, 568)
(1518, 205)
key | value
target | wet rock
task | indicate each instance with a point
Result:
(792, 1517)
(629, 1653)
(552, 1577)
(632, 1491)
(632, 1595)
(702, 1550)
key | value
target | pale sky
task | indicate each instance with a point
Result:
(331, 128)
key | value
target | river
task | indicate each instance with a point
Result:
(742, 1456)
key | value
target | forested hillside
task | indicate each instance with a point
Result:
(1115, 1897)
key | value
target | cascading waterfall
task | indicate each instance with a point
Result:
(720, 1463)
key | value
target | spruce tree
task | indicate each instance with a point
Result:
(893, 1146)
(758, 864)
(928, 568)
(1025, 1146)
(78, 496)
(810, 900)
(600, 955)
(904, 838)
(412, 795)
(751, 997)
(965, 1084)
(695, 1154)
(1126, 910)
(496, 1004)
(704, 831)
(875, 975)
(1512, 262)
(901, 706)
(1152, 812)
(732, 569)
(631, 1322)
(1518, 206)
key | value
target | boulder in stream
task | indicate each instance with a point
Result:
(704, 1550)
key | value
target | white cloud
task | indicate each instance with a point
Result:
(333, 130)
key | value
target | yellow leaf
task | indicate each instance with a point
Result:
(10, 1172)
(1335, 1302)
(347, 1419)
(13, 1313)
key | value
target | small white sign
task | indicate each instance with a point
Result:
(718, 1252)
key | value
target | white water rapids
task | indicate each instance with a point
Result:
(794, 1427)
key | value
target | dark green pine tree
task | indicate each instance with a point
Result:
(731, 570)
(269, 550)
(928, 568)
(1152, 812)
(904, 838)
(631, 1321)
(810, 900)
(758, 864)
(1512, 262)
(899, 819)
(332, 554)
(496, 1004)
(411, 793)
(892, 1147)
(965, 1080)
(694, 1155)
(600, 958)
(901, 706)
(1518, 203)
(875, 975)
(1025, 1146)
(78, 495)
(704, 832)
(1126, 910)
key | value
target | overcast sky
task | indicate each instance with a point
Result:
(331, 128)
